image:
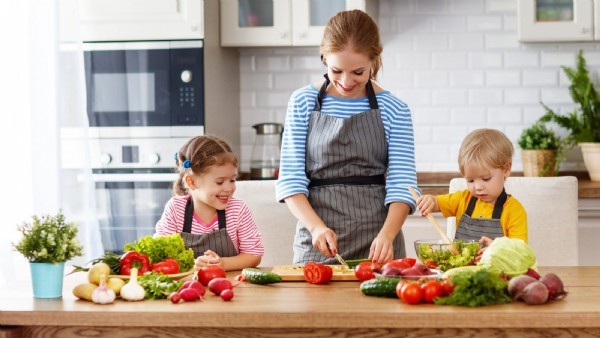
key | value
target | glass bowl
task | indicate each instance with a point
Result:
(436, 254)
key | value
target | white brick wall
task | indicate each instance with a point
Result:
(457, 63)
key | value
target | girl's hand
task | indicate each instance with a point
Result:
(382, 249)
(324, 240)
(209, 258)
(426, 204)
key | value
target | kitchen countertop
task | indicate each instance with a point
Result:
(300, 309)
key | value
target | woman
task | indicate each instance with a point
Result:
(348, 153)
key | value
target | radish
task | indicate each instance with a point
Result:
(555, 286)
(175, 297)
(195, 285)
(227, 294)
(188, 295)
(217, 285)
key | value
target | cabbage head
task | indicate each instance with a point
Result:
(510, 256)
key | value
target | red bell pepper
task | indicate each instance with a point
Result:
(133, 259)
(317, 273)
(168, 266)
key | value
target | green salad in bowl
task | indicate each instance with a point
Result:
(437, 255)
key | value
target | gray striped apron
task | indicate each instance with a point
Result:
(471, 228)
(346, 160)
(217, 241)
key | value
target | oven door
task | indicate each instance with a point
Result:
(129, 203)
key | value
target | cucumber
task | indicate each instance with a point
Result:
(380, 287)
(352, 263)
(257, 276)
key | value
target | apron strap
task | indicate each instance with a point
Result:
(498, 206)
(189, 214)
(370, 94)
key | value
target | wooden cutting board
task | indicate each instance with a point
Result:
(294, 273)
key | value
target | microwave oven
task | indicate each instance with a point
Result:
(148, 85)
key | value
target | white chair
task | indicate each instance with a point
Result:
(551, 204)
(275, 222)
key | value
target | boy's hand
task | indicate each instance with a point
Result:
(426, 204)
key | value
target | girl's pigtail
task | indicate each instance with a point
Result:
(179, 188)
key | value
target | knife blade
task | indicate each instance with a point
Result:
(341, 260)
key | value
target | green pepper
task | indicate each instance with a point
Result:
(134, 259)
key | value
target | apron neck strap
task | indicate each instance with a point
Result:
(189, 215)
(370, 94)
(498, 206)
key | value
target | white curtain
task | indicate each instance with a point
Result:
(41, 91)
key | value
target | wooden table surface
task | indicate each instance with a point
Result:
(298, 309)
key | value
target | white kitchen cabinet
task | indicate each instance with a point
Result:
(558, 20)
(131, 20)
(252, 23)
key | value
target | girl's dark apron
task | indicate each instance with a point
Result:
(217, 241)
(346, 160)
(472, 228)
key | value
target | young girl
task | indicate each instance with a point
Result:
(484, 211)
(218, 227)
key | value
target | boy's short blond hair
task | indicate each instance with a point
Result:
(485, 148)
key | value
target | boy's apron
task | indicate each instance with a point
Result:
(346, 160)
(472, 228)
(217, 241)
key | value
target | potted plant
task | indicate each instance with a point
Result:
(48, 242)
(539, 149)
(583, 122)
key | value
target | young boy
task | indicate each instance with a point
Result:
(483, 211)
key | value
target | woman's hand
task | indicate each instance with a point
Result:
(382, 249)
(324, 240)
(209, 258)
(426, 204)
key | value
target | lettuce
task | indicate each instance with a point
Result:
(509, 256)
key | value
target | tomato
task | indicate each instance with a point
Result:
(396, 263)
(366, 270)
(411, 293)
(447, 287)
(432, 290)
(409, 260)
(207, 273)
(317, 273)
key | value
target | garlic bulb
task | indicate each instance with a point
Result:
(133, 290)
(103, 294)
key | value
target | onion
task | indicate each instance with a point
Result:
(555, 286)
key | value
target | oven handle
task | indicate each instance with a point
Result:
(162, 177)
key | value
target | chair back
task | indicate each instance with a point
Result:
(551, 204)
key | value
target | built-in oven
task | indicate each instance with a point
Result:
(156, 85)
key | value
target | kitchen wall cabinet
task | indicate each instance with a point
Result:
(558, 20)
(130, 20)
(251, 23)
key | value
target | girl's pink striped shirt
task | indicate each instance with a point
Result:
(241, 227)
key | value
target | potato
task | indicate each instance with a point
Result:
(84, 291)
(96, 271)
(115, 284)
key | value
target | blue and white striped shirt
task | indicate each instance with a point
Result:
(397, 123)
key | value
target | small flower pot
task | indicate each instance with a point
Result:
(47, 279)
(591, 158)
(538, 162)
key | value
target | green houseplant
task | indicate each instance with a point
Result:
(539, 149)
(583, 123)
(48, 241)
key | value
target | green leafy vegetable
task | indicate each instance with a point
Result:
(476, 288)
(157, 285)
(160, 248)
(438, 256)
(510, 256)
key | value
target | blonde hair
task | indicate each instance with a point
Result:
(202, 152)
(485, 148)
(357, 29)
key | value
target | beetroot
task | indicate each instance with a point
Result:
(422, 268)
(535, 293)
(518, 283)
(390, 271)
(555, 286)
(533, 273)
(217, 285)
(412, 271)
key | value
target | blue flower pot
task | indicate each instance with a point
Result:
(47, 279)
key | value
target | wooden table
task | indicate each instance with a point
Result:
(298, 309)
